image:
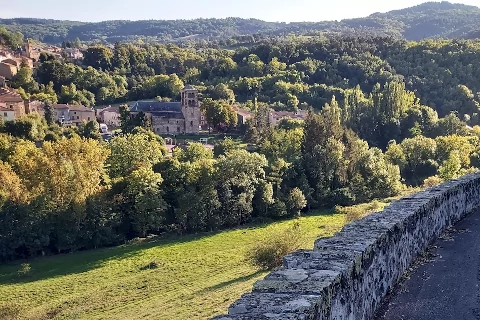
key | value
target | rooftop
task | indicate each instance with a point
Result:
(9, 96)
(115, 109)
(159, 109)
(6, 109)
(72, 107)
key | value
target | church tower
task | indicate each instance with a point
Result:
(191, 109)
(28, 49)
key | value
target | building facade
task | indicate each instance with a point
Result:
(12, 101)
(6, 114)
(173, 117)
(276, 116)
(110, 116)
(73, 114)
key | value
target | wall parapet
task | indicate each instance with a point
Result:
(346, 277)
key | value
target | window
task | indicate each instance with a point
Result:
(78, 117)
(191, 123)
(5, 114)
(168, 129)
(88, 118)
(178, 129)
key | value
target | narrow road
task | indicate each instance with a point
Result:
(446, 288)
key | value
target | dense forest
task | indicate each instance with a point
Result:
(429, 20)
(384, 114)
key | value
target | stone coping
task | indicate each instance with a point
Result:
(346, 277)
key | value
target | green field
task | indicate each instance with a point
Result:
(196, 277)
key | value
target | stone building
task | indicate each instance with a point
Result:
(110, 116)
(12, 101)
(68, 114)
(173, 117)
(276, 116)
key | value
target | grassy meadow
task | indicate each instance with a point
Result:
(188, 277)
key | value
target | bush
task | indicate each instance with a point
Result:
(269, 253)
(10, 311)
(25, 270)
(432, 182)
(150, 266)
(359, 211)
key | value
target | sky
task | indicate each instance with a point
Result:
(269, 10)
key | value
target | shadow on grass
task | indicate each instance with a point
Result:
(79, 262)
(230, 282)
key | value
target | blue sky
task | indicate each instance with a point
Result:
(270, 10)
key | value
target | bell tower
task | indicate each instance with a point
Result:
(191, 109)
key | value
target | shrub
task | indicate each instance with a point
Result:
(25, 270)
(432, 182)
(10, 311)
(268, 254)
(150, 266)
(359, 211)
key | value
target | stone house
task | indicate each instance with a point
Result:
(8, 70)
(13, 101)
(110, 116)
(6, 114)
(73, 114)
(277, 116)
(35, 107)
(173, 117)
(243, 115)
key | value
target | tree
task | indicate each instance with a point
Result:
(145, 198)
(451, 168)
(49, 114)
(195, 152)
(218, 113)
(223, 147)
(296, 201)
(90, 130)
(223, 92)
(98, 57)
(24, 78)
(131, 152)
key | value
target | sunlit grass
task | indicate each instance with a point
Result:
(190, 277)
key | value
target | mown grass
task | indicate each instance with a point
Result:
(190, 277)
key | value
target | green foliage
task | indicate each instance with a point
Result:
(429, 20)
(357, 212)
(269, 253)
(11, 39)
(25, 270)
(76, 285)
(131, 152)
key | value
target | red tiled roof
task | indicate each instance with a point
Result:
(243, 112)
(71, 107)
(111, 109)
(9, 96)
(6, 109)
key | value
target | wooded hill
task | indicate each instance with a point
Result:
(428, 20)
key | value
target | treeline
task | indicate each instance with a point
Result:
(72, 191)
(429, 20)
(287, 74)
(12, 40)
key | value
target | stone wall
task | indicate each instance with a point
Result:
(347, 276)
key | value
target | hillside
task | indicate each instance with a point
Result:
(428, 20)
(196, 277)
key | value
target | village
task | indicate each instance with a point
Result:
(168, 119)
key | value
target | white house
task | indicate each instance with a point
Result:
(110, 116)
(7, 114)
